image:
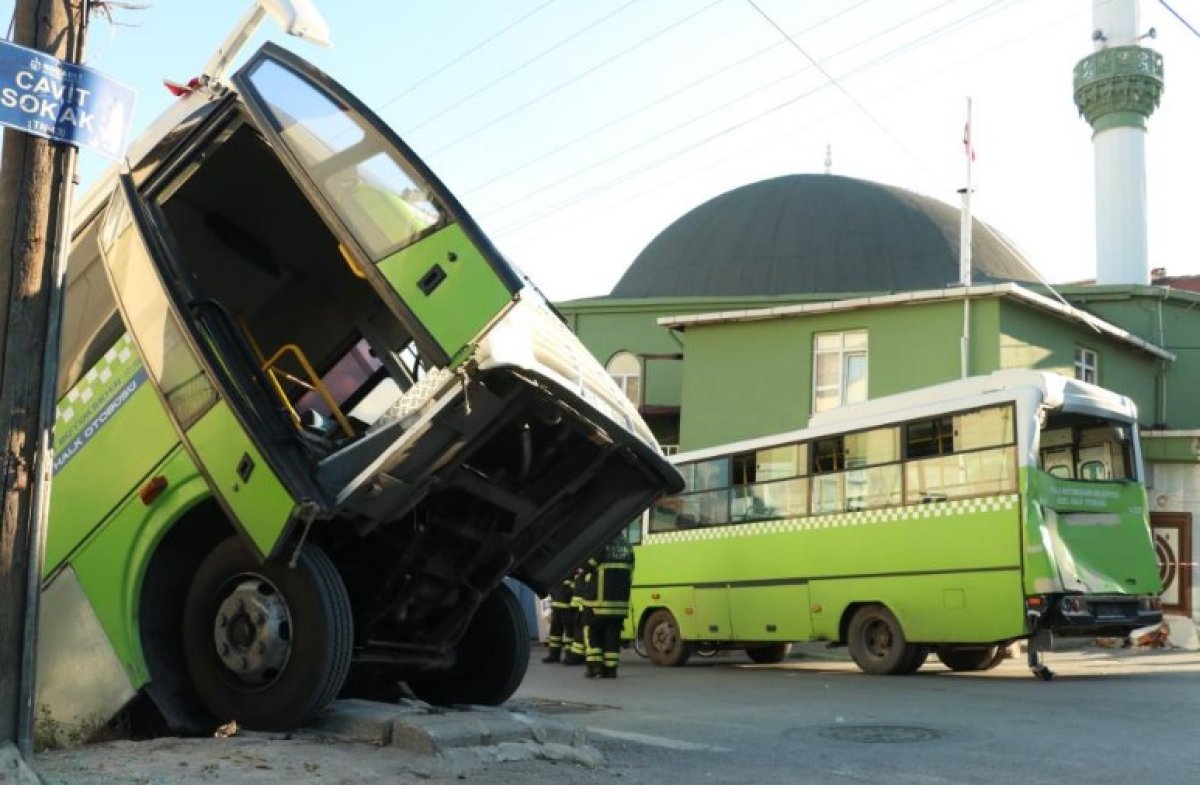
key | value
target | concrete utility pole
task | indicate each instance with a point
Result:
(35, 188)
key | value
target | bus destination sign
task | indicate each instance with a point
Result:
(43, 95)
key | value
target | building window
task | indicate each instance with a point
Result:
(1086, 365)
(839, 369)
(626, 371)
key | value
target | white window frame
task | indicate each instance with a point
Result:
(845, 357)
(1087, 365)
(623, 379)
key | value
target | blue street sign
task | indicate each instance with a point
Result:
(42, 95)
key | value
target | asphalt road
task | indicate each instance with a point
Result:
(1110, 716)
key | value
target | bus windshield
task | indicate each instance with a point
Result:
(1079, 447)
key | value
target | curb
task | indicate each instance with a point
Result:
(467, 733)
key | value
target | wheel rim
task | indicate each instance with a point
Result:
(252, 631)
(665, 638)
(878, 640)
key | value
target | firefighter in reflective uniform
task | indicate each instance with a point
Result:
(562, 619)
(607, 604)
(574, 650)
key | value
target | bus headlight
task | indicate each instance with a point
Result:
(1149, 603)
(1074, 605)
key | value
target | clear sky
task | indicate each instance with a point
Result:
(576, 130)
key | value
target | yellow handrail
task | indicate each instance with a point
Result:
(314, 382)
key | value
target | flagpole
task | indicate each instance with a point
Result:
(964, 251)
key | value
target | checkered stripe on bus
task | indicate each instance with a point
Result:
(947, 509)
(115, 362)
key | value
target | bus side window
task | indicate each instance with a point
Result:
(91, 324)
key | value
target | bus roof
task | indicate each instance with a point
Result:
(1035, 388)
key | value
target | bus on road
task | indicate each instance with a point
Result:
(308, 419)
(951, 520)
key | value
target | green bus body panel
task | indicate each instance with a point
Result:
(1093, 536)
(950, 571)
(110, 431)
(261, 504)
(470, 296)
(112, 564)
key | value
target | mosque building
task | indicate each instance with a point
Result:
(800, 293)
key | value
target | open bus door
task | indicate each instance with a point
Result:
(263, 496)
(398, 227)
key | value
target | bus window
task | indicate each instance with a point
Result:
(959, 456)
(1076, 447)
(929, 437)
(765, 484)
(828, 455)
(983, 428)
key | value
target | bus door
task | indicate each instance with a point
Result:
(397, 225)
(261, 489)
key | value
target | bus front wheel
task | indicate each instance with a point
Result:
(768, 653)
(964, 658)
(267, 644)
(662, 641)
(877, 643)
(490, 660)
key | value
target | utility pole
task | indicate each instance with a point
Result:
(36, 182)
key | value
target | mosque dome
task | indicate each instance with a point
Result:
(816, 234)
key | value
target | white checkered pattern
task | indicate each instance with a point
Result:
(947, 509)
(116, 362)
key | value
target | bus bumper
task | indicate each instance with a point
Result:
(1085, 616)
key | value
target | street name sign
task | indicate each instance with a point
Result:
(43, 95)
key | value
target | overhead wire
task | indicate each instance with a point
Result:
(519, 226)
(842, 89)
(709, 111)
(642, 168)
(450, 64)
(572, 80)
(1179, 16)
(507, 74)
(657, 101)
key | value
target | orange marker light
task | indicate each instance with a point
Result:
(152, 490)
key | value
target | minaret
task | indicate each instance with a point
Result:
(1117, 88)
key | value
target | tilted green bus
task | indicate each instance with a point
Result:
(309, 419)
(952, 520)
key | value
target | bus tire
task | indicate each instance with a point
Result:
(878, 645)
(969, 658)
(662, 641)
(491, 659)
(267, 644)
(768, 653)
(916, 659)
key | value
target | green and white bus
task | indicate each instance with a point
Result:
(953, 519)
(309, 419)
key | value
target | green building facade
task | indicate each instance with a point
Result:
(753, 309)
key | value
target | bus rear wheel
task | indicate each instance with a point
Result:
(768, 653)
(267, 644)
(490, 660)
(662, 641)
(878, 645)
(969, 658)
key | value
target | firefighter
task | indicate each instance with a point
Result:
(573, 652)
(607, 604)
(562, 619)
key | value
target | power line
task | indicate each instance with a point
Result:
(841, 88)
(546, 94)
(653, 103)
(708, 112)
(1177, 15)
(520, 67)
(937, 70)
(462, 56)
(979, 14)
